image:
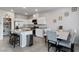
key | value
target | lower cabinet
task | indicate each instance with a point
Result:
(39, 32)
(26, 41)
(29, 40)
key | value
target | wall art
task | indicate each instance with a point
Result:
(74, 9)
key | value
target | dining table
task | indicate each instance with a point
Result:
(62, 35)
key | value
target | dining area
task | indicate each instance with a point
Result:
(62, 40)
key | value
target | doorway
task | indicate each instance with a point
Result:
(6, 26)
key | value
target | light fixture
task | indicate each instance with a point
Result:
(36, 10)
(24, 7)
(7, 15)
(34, 16)
(11, 10)
(26, 13)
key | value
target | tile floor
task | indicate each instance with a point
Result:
(39, 46)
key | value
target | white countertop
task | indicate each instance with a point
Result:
(62, 35)
(22, 31)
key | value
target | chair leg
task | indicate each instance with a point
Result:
(45, 38)
(72, 47)
(48, 46)
(56, 48)
(13, 44)
(14, 41)
(19, 41)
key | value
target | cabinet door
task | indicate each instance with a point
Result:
(1, 28)
(41, 20)
(39, 32)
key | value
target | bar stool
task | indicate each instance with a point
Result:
(14, 39)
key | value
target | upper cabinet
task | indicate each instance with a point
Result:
(41, 20)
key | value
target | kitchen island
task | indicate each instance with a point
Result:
(24, 37)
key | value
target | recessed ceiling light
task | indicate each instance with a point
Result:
(11, 10)
(26, 13)
(24, 7)
(34, 15)
(36, 10)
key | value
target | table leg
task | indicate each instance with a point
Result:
(45, 38)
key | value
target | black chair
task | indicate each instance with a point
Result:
(69, 44)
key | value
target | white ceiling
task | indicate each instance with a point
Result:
(29, 10)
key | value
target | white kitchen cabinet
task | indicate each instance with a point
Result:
(41, 20)
(39, 32)
(1, 28)
(23, 38)
(42, 25)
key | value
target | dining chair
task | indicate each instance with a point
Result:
(69, 43)
(52, 40)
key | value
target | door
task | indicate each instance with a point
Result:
(6, 26)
